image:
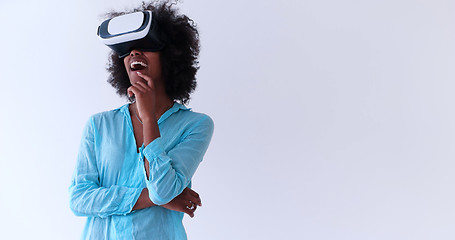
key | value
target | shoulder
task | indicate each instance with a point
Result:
(194, 118)
(198, 124)
(187, 121)
(108, 117)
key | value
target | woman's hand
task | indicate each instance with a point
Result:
(144, 91)
(186, 202)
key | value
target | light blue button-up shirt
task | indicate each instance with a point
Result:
(110, 173)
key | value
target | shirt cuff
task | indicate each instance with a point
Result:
(154, 149)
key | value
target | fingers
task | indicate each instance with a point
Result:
(194, 209)
(191, 200)
(146, 78)
(196, 200)
(138, 88)
(142, 85)
(193, 196)
(189, 212)
(192, 192)
(187, 202)
(135, 90)
(190, 208)
(130, 91)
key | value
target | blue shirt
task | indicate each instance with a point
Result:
(110, 173)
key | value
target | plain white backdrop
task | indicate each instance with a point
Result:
(333, 119)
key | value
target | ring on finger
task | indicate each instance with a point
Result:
(192, 206)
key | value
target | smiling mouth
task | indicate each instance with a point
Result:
(137, 65)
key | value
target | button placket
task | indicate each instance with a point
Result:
(141, 160)
(141, 153)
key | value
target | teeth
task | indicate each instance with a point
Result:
(138, 63)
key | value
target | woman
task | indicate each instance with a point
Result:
(135, 163)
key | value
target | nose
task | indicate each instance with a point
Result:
(135, 52)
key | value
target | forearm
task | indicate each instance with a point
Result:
(171, 171)
(151, 131)
(186, 202)
(143, 201)
(88, 199)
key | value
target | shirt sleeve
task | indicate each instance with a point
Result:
(171, 172)
(87, 197)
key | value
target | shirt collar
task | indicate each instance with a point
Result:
(175, 108)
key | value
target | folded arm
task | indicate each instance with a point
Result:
(169, 173)
(87, 196)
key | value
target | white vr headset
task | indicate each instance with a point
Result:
(137, 30)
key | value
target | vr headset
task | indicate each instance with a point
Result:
(137, 30)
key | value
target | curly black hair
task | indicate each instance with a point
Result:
(179, 57)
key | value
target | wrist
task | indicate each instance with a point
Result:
(151, 130)
(148, 201)
(143, 201)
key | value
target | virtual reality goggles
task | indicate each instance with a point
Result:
(137, 30)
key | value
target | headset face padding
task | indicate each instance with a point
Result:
(138, 30)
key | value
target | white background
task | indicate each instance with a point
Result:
(333, 119)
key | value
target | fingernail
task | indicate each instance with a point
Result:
(139, 73)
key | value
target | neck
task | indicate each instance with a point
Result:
(163, 103)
